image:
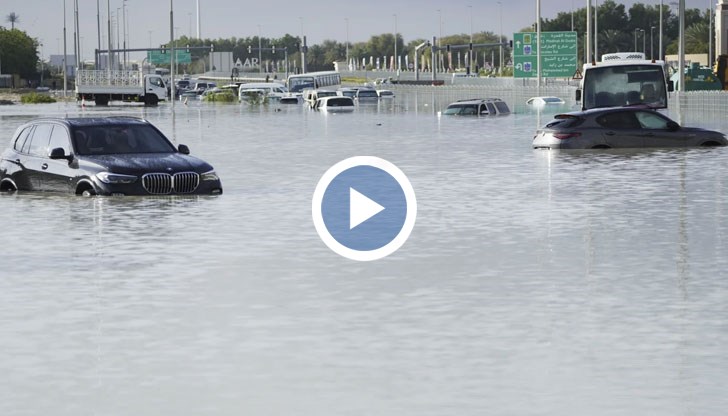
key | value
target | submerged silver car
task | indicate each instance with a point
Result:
(621, 127)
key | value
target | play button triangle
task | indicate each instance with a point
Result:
(361, 208)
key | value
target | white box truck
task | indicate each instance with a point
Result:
(102, 86)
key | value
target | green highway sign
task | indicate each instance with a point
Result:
(157, 57)
(558, 54)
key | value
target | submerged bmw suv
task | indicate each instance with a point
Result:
(102, 156)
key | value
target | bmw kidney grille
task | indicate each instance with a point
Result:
(164, 183)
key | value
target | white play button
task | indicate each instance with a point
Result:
(361, 208)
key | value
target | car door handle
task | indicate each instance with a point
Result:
(610, 133)
(44, 166)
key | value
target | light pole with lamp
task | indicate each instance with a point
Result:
(652, 52)
(644, 41)
(635, 38)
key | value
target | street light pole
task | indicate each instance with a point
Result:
(635, 38)
(644, 41)
(596, 29)
(65, 53)
(710, 34)
(659, 52)
(347, 43)
(260, 53)
(500, 38)
(439, 43)
(118, 46)
(395, 43)
(123, 19)
(470, 51)
(173, 93)
(652, 53)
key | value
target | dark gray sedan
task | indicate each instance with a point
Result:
(621, 127)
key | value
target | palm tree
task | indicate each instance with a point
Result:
(613, 40)
(13, 18)
(696, 38)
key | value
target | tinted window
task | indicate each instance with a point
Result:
(367, 94)
(620, 120)
(20, 141)
(59, 138)
(120, 139)
(502, 107)
(39, 141)
(339, 102)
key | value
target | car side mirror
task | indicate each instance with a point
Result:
(578, 95)
(670, 86)
(673, 126)
(184, 149)
(59, 153)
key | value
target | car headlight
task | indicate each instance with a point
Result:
(210, 176)
(107, 177)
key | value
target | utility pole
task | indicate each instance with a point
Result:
(65, 53)
(500, 38)
(347, 43)
(172, 97)
(396, 67)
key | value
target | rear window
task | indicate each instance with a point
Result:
(339, 102)
(367, 94)
(565, 120)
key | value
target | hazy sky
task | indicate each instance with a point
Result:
(148, 20)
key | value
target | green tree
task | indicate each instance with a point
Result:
(19, 53)
(613, 40)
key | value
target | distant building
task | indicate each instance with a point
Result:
(699, 58)
(57, 62)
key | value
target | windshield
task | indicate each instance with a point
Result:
(299, 84)
(119, 139)
(461, 110)
(612, 86)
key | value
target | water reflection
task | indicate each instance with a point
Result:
(530, 274)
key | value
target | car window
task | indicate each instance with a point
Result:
(39, 140)
(649, 120)
(502, 107)
(59, 138)
(20, 141)
(619, 120)
(120, 139)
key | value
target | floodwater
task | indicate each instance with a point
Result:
(533, 283)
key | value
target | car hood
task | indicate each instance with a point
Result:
(141, 163)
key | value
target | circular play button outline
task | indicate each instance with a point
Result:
(318, 197)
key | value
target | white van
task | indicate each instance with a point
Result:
(270, 89)
(310, 96)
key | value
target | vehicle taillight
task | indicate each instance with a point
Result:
(564, 136)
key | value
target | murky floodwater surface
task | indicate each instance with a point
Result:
(533, 283)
